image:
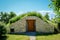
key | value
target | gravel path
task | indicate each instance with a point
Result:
(32, 35)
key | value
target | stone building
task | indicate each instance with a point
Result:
(31, 24)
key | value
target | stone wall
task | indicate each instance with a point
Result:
(41, 26)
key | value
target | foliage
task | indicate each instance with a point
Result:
(34, 14)
(46, 16)
(45, 19)
(57, 20)
(55, 5)
(3, 31)
(26, 14)
(5, 17)
(14, 19)
(12, 14)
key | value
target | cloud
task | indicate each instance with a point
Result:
(21, 12)
(43, 12)
(51, 13)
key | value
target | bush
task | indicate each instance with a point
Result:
(3, 31)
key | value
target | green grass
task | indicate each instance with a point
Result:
(38, 37)
(17, 37)
(48, 37)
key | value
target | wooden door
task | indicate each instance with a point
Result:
(31, 25)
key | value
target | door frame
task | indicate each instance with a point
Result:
(34, 25)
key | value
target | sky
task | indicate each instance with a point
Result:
(22, 6)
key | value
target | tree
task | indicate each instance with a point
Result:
(46, 16)
(5, 17)
(55, 5)
(3, 31)
(12, 14)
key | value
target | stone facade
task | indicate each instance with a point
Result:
(41, 26)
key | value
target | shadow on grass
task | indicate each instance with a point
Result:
(3, 38)
(34, 34)
(45, 34)
(25, 33)
(18, 33)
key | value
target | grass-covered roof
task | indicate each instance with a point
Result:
(24, 15)
(14, 19)
(37, 14)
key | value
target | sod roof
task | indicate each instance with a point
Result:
(14, 19)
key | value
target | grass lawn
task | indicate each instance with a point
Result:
(17, 37)
(48, 37)
(38, 37)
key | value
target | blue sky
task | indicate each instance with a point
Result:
(21, 6)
